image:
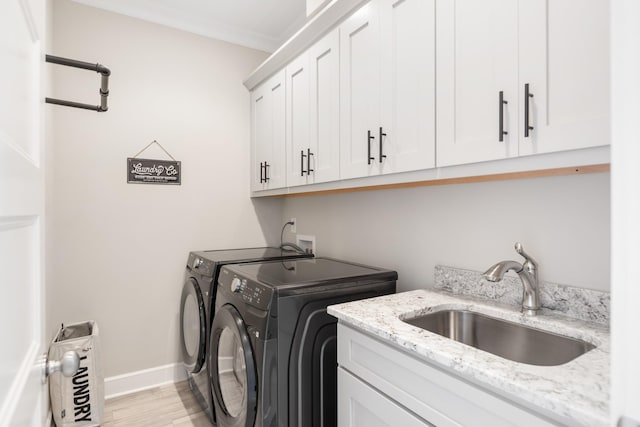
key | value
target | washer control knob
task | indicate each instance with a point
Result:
(197, 262)
(238, 285)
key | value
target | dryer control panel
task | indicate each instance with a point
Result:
(200, 265)
(249, 292)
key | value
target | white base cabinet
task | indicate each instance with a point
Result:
(409, 389)
(362, 406)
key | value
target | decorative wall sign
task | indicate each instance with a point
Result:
(152, 171)
(149, 171)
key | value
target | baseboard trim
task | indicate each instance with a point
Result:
(132, 382)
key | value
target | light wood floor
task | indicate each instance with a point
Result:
(166, 406)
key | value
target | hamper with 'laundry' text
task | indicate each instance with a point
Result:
(78, 400)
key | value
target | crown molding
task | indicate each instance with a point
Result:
(218, 31)
(317, 26)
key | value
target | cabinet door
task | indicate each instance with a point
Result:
(324, 73)
(297, 122)
(361, 406)
(564, 57)
(260, 135)
(407, 29)
(268, 134)
(430, 392)
(477, 58)
(275, 171)
(360, 88)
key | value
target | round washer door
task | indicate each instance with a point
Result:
(192, 326)
(232, 369)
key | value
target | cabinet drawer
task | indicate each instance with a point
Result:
(428, 391)
(361, 406)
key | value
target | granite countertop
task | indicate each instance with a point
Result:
(577, 390)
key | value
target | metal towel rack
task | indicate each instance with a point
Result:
(104, 85)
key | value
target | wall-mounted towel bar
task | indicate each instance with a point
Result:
(104, 85)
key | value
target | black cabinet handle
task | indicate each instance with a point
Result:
(527, 95)
(261, 173)
(309, 154)
(369, 138)
(302, 156)
(266, 172)
(501, 131)
(382, 156)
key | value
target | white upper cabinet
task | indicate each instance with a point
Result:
(324, 77)
(408, 80)
(502, 63)
(359, 92)
(419, 87)
(313, 114)
(268, 134)
(297, 120)
(564, 57)
(387, 78)
(477, 61)
(260, 131)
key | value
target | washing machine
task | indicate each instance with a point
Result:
(273, 355)
(197, 304)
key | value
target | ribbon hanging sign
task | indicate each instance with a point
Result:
(152, 171)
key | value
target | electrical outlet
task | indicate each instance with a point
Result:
(293, 226)
(308, 243)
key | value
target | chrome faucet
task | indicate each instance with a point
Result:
(528, 273)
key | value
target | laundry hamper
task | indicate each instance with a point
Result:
(78, 400)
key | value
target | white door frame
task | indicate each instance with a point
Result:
(625, 212)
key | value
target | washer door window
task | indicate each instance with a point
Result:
(193, 326)
(233, 370)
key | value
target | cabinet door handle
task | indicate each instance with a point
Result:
(309, 154)
(502, 103)
(381, 156)
(369, 138)
(527, 95)
(266, 172)
(302, 156)
(261, 173)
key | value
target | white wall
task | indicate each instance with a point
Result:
(562, 221)
(117, 251)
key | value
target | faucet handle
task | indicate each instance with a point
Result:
(525, 255)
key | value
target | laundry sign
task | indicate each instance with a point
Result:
(150, 171)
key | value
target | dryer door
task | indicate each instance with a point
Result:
(193, 326)
(233, 370)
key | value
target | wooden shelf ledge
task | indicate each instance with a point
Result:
(563, 171)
